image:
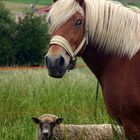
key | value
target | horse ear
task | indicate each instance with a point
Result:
(59, 120)
(36, 120)
(54, 0)
(80, 2)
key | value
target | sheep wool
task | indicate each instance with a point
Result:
(88, 132)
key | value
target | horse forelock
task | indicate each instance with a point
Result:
(61, 11)
(112, 26)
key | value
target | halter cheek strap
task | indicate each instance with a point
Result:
(62, 42)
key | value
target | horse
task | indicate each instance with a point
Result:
(106, 35)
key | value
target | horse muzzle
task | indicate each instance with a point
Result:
(57, 63)
(56, 66)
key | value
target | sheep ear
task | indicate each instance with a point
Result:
(59, 120)
(36, 120)
(80, 2)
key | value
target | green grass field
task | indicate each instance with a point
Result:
(17, 8)
(42, 2)
(130, 2)
(46, 2)
(28, 93)
(20, 6)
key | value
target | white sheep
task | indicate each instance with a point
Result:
(50, 128)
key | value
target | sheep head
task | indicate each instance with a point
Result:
(46, 124)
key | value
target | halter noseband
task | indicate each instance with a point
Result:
(62, 42)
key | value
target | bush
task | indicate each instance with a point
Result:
(7, 28)
(31, 40)
(23, 43)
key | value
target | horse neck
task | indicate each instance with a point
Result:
(100, 63)
(92, 59)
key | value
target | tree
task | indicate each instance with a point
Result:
(7, 28)
(31, 40)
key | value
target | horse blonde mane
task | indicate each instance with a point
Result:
(111, 26)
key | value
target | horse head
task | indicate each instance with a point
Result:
(67, 31)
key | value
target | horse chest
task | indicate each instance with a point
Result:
(121, 89)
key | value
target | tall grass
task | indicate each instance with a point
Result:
(28, 93)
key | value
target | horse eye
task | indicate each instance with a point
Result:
(78, 22)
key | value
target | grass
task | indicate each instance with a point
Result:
(135, 3)
(47, 2)
(28, 93)
(22, 6)
(18, 8)
(40, 2)
(130, 2)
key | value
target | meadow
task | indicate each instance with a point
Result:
(30, 93)
(42, 2)
(46, 2)
(22, 6)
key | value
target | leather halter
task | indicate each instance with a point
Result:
(62, 42)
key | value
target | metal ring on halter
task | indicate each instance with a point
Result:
(62, 42)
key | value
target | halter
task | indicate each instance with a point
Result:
(62, 42)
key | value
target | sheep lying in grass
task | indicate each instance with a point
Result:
(50, 128)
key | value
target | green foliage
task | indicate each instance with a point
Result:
(7, 27)
(31, 40)
(22, 43)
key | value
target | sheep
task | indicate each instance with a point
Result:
(50, 128)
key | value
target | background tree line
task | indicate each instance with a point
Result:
(23, 43)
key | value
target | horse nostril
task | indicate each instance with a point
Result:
(60, 61)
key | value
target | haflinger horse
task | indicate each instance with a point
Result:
(106, 35)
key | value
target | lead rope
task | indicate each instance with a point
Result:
(97, 91)
(96, 98)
